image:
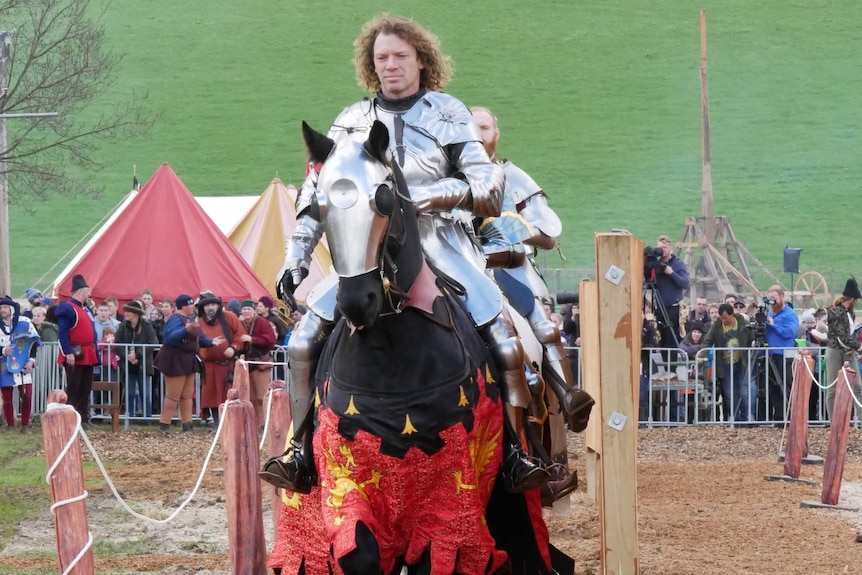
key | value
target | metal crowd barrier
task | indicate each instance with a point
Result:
(49, 376)
(679, 390)
(674, 389)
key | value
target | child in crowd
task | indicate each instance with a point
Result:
(108, 354)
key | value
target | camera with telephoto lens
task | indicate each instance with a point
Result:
(758, 324)
(653, 263)
(564, 297)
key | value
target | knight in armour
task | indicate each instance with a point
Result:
(450, 179)
(510, 259)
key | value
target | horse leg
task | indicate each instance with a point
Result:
(365, 558)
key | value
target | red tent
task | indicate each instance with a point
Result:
(164, 241)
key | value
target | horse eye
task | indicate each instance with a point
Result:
(384, 200)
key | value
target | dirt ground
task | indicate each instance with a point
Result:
(703, 508)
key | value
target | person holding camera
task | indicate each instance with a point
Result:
(732, 331)
(842, 345)
(780, 327)
(671, 283)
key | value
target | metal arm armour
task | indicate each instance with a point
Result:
(479, 191)
(300, 246)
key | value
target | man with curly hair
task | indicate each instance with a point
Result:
(450, 179)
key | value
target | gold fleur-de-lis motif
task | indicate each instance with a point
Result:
(408, 427)
(463, 399)
(488, 378)
(351, 408)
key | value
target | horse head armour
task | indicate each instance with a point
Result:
(370, 225)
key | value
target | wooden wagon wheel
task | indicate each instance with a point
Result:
(813, 289)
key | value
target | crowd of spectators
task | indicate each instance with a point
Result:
(127, 342)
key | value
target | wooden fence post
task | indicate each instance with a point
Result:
(619, 269)
(590, 370)
(277, 436)
(836, 449)
(240, 457)
(797, 437)
(71, 529)
(241, 379)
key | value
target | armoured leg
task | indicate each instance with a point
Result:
(298, 472)
(558, 373)
(520, 472)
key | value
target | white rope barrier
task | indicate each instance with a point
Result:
(814, 379)
(850, 387)
(80, 431)
(82, 496)
(266, 419)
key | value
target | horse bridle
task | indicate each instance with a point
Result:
(385, 260)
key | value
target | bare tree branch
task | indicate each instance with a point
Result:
(58, 63)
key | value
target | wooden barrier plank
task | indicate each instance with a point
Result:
(590, 371)
(619, 269)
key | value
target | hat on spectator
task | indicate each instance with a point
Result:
(7, 300)
(808, 316)
(851, 289)
(248, 303)
(267, 302)
(183, 300)
(78, 282)
(46, 301)
(206, 297)
(31, 294)
(696, 326)
(135, 306)
(233, 305)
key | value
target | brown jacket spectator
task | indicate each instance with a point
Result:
(218, 360)
(258, 341)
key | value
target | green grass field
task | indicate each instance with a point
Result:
(598, 100)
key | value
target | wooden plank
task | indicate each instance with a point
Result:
(620, 322)
(590, 366)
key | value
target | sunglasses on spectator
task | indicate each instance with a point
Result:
(739, 305)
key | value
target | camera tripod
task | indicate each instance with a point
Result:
(662, 318)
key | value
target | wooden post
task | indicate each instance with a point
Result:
(797, 437)
(59, 423)
(247, 545)
(277, 437)
(619, 269)
(590, 366)
(241, 379)
(836, 449)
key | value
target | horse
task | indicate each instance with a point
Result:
(410, 430)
